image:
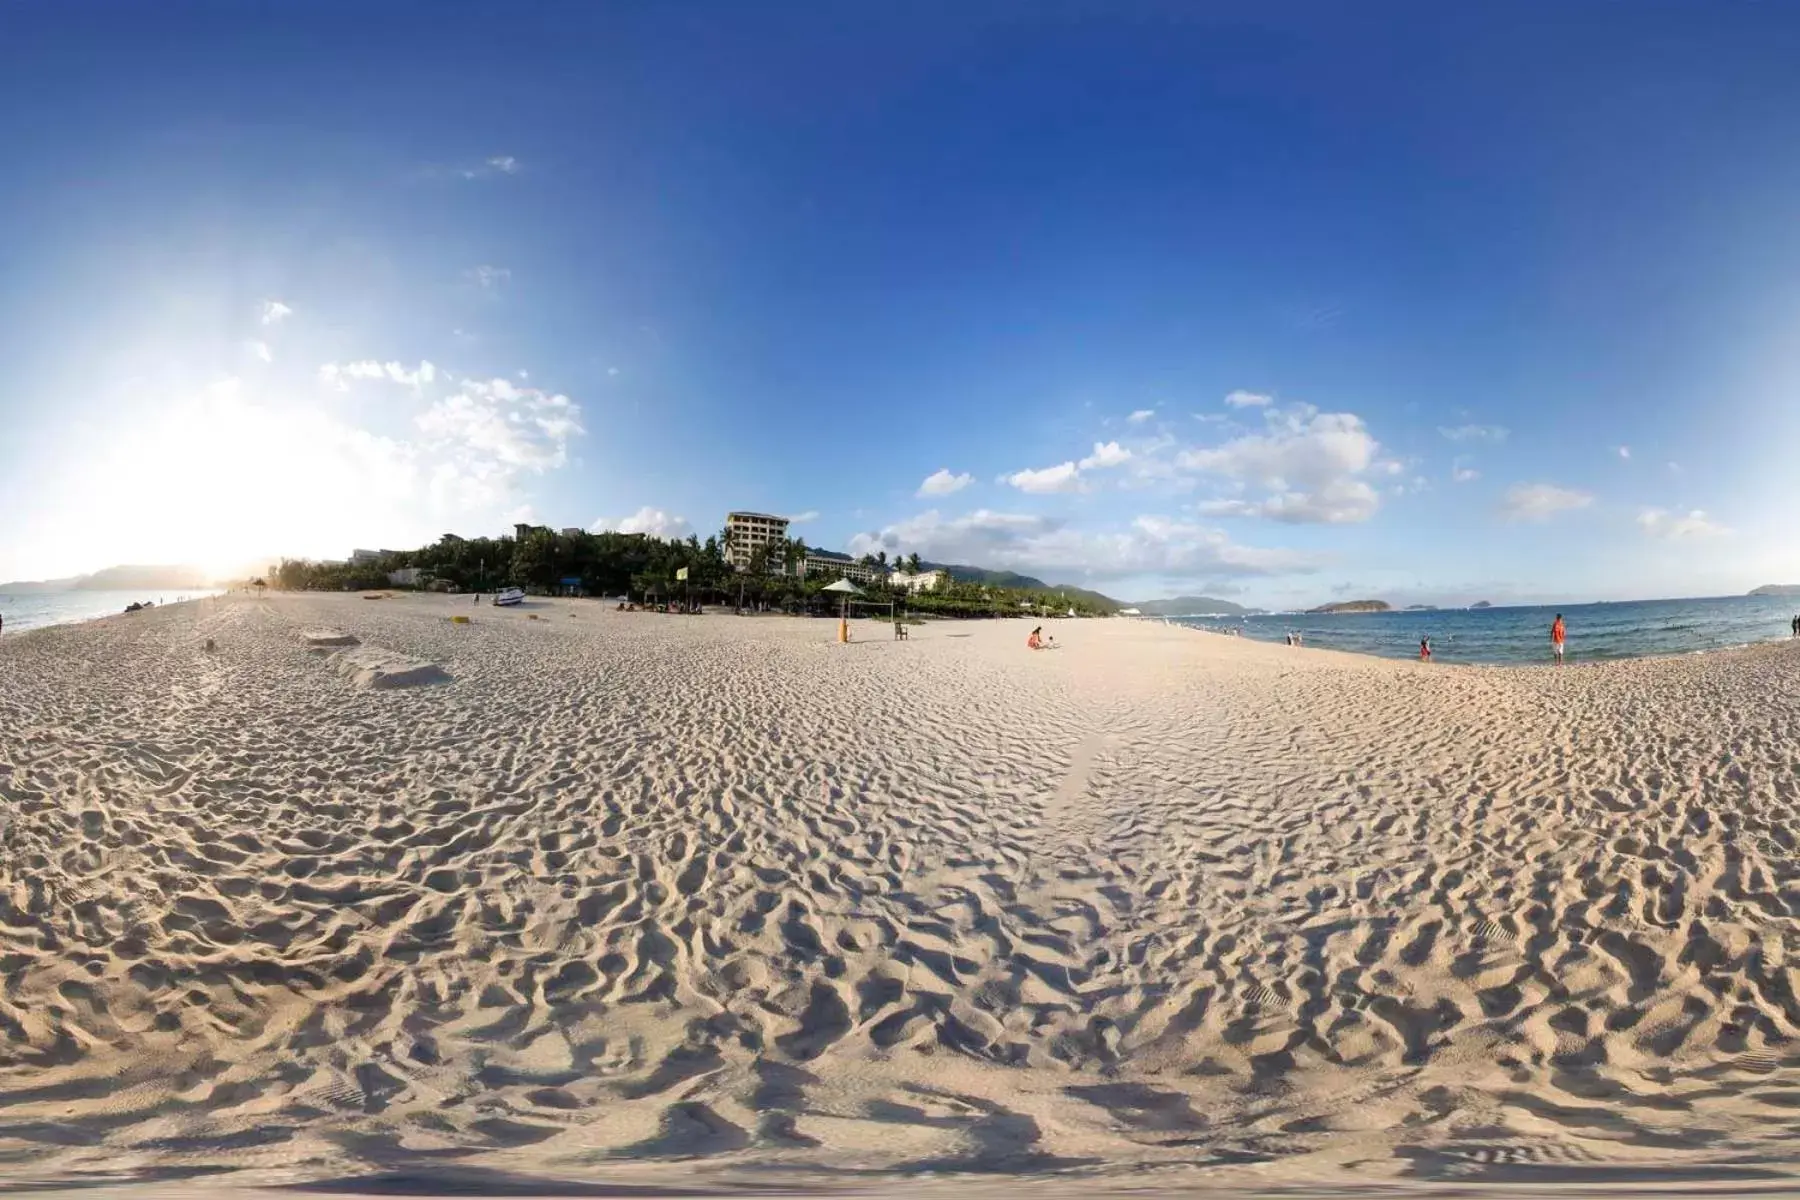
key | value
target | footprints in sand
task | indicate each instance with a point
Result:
(714, 891)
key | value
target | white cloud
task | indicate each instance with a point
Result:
(653, 521)
(942, 483)
(1243, 399)
(1063, 477)
(338, 375)
(1474, 433)
(1147, 545)
(1141, 415)
(1661, 523)
(499, 422)
(801, 518)
(1624, 451)
(1339, 502)
(1465, 475)
(1541, 501)
(1309, 464)
(488, 278)
(1108, 454)
(274, 312)
(262, 351)
(499, 164)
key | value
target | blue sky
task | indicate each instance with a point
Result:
(1281, 302)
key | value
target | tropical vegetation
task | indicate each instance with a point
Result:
(654, 570)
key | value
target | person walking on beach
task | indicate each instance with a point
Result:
(1557, 634)
(1425, 649)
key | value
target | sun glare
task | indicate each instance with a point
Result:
(228, 477)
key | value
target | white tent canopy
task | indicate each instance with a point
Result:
(844, 586)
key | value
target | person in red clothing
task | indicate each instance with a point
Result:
(1557, 634)
(1424, 649)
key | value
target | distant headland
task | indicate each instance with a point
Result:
(1353, 606)
(115, 579)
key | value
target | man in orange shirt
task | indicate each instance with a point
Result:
(1556, 638)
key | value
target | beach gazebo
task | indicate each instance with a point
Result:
(846, 589)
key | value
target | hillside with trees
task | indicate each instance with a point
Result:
(645, 568)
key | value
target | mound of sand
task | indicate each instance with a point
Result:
(374, 667)
(328, 638)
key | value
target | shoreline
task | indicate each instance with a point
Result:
(11, 631)
(1573, 662)
(1170, 622)
(1545, 660)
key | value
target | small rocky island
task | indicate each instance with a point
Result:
(1350, 606)
(1482, 604)
(1777, 589)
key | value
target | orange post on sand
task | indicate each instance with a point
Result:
(843, 629)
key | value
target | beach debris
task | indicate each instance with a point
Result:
(209, 647)
(459, 620)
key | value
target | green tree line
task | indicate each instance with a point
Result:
(644, 568)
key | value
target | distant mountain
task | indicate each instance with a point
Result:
(1094, 598)
(963, 573)
(1421, 608)
(1482, 604)
(114, 579)
(1777, 589)
(1190, 606)
(967, 574)
(1352, 606)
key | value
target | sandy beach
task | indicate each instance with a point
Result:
(620, 895)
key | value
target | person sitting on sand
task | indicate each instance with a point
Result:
(1037, 640)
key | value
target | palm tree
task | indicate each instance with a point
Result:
(913, 565)
(793, 554)
(881, 560)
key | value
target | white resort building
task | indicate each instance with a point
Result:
(827, 562)
(749, 532)
(922, 581)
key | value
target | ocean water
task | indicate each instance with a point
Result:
(1633, 629)
(28, 611)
